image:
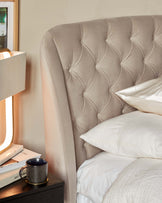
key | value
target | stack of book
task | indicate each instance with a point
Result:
(11, 161)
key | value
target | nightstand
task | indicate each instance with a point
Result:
(52, 192)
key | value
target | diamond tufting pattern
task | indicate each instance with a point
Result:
(101, 57)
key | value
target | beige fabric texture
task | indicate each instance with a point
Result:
(83, 65)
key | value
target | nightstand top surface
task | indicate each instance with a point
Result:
(21, 188)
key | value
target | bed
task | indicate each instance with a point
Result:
(84, 66)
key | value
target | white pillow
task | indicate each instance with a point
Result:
(145, 97)
(135, 134)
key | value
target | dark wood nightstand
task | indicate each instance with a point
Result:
(52, 192)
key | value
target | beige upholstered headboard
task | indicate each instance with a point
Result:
(83, 65)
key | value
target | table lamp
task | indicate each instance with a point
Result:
(12, 81)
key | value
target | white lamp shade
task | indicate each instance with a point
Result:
(12, 74)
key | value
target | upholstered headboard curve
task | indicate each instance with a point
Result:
(83, 65)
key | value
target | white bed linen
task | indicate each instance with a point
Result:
(82, 199)
(145, 97)
(141, 182)
(96, 175)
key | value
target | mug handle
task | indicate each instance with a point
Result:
(21, 172)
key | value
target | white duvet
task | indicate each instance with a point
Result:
(107, 178)
(96, 175)
(140, 182)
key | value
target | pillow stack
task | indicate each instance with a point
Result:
(135, 134)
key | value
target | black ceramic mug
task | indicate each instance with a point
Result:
(35, 172)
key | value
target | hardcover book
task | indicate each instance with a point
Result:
(18, 161)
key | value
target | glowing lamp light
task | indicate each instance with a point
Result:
(12, 81)
(5, 54)
(9, 124)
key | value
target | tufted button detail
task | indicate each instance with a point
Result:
(153, 36)
(98, 115)
(123, 110)
(131, 38)
(69, 67)
(96, 66)
(84, 94)
(145, 60)
(157, 75)
(121, 63)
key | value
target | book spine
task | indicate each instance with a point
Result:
(8, 178)
(10, 167)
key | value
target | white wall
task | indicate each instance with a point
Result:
(37, 16)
